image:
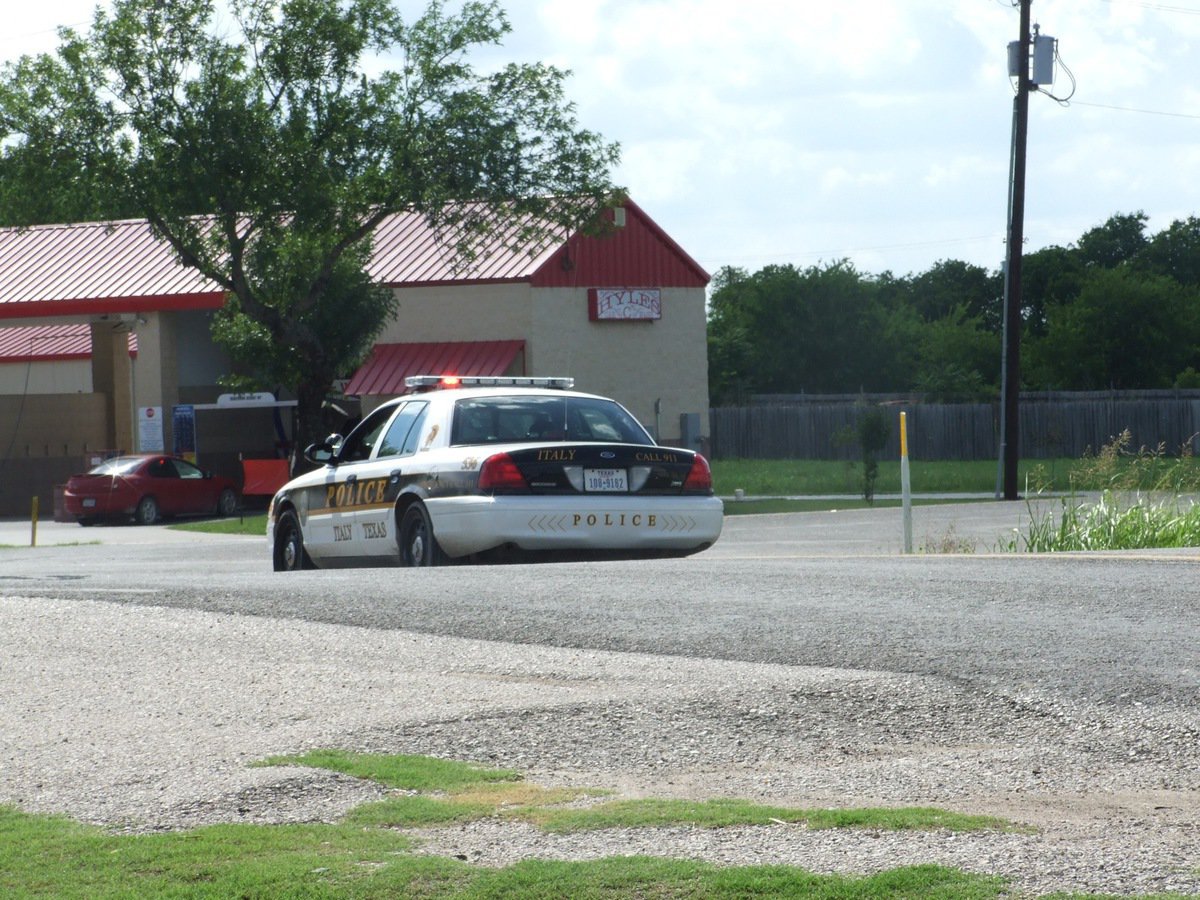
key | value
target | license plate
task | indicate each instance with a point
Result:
(89, 502)
(605, 480)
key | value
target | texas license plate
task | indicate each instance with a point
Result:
(605, 480)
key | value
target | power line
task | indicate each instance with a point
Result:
(1159, 7)
(1147, 112)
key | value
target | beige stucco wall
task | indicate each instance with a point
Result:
(633, 362)
(65, 377)
(494, 312)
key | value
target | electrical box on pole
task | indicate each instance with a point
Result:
(1044, 48)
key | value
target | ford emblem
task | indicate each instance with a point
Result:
(607, 454)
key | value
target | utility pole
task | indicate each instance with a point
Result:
(1010, 425)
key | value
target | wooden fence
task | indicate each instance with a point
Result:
(1051, 425)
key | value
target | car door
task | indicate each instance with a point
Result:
(329, 531)
(194, 491)
(164, 485)
(374, 521)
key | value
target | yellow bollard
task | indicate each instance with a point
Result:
(33, 535)
(905, 484)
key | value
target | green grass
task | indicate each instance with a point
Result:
(801, 477)
(361, 857)
(413, 773)
(1116, 466)
(753, 506)
(45, 857)
(725, 813)
(1135, 523)
(255, 525)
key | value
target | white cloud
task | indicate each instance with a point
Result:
(771, 131)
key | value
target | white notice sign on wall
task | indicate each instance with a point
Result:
(150, 429)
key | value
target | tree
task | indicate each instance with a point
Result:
(1050, 277)
(1126, 330)
(1118, 240)
(959, 359)
(267, 160)
(950, 285)
(1175, 251)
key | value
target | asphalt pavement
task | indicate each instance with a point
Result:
(971, 526)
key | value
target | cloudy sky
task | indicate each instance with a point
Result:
(771, 131)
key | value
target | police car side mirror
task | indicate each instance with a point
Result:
(324, 453)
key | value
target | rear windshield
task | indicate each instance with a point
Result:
(118, 465)
(506, 420)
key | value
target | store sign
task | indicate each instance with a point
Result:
(624, 304)
(257, 398)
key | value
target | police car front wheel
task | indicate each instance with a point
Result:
(418, 546)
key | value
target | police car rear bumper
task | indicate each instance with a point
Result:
(465, 525)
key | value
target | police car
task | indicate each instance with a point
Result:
(492, 468)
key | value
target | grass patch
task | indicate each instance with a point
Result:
(1112, 523)
(726, 813)
(660, 879)
(365, 857)
(801, 477)
(255, 525)
(412, 773)
(448, 791)
(752, 506)
(49, 857)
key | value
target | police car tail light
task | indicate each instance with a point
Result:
(500, 473)
(700, 477)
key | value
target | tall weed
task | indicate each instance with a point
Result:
(1117, 467)
(1138, 523)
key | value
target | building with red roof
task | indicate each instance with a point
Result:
(104, 336)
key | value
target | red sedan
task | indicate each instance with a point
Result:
(147, 488)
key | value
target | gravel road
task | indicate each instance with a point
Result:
(145, 717)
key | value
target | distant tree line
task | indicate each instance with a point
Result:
(1118, 309)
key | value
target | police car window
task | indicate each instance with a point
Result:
(362, 440)
(527, 419)
(397, 441)
(414, 433)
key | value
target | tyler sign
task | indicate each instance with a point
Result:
(608, 304)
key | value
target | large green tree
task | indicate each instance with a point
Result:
(823, 329)
(1125, 330)
(267, 149)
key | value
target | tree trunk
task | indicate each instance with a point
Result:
(311, 426)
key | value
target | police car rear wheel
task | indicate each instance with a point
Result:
(418, 546)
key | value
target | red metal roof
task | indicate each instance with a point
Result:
(50, 343)
(113, 267)
(389, 364)
(637, 254)
(94, 268)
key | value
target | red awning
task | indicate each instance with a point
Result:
(389, 364)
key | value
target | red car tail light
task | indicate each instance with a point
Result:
(500, 473)
(699, 479)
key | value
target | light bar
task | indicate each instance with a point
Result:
(430, 382)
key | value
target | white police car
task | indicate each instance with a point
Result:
(476, 468)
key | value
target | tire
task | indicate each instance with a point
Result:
(147, 511)
(289, 554)
(227, 503)
(418, 546)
